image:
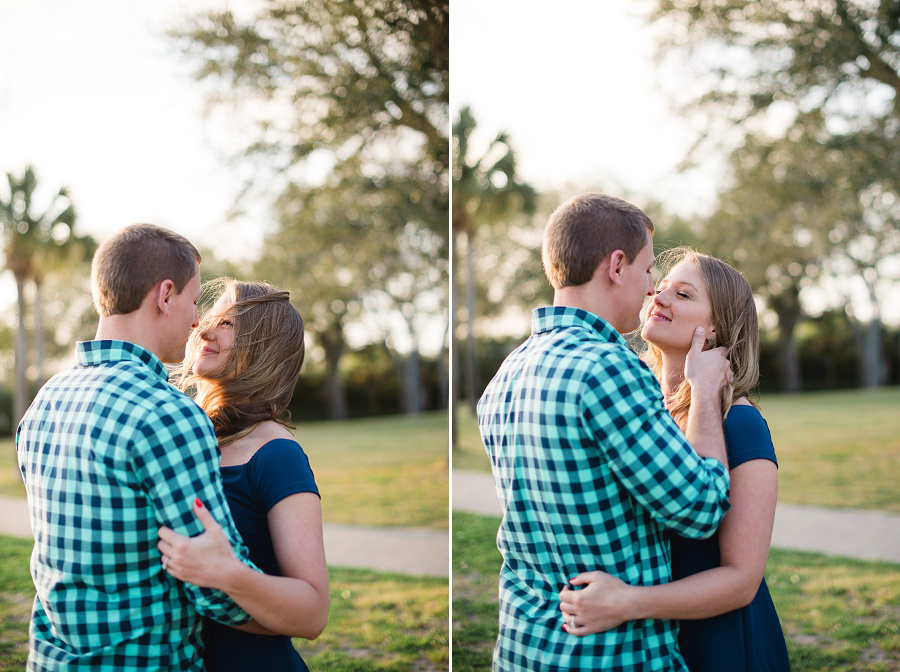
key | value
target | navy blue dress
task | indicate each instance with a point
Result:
(748, 639)
(278, 469)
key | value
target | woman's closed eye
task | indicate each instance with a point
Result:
(682, 295)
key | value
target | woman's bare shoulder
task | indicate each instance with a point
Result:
(269, 430)
(240, 451)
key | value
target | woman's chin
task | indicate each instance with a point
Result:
(647, 334)
(662, 343)
(201, 371)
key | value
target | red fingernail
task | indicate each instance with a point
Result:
(198, 503)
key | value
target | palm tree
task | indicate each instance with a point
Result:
(65, 250)
(35, 244)
(486, 190)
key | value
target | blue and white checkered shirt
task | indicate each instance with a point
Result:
(109, 452)
(590, 468)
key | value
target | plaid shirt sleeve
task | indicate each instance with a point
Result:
(176, 463)
(649, 454)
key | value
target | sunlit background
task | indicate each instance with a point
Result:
(95, 97)
(795, 183)
(101, 98)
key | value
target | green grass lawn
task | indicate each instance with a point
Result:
(838, 615)
(379, 622)
(837, 448)
(834, 448)
(390, 470)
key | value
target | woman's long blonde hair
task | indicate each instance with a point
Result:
(257, 381)
(736, 329)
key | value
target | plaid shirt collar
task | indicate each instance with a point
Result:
(554, 318)
(97, 353)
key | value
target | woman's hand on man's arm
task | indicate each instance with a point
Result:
(601, 605)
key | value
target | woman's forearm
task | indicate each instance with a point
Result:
(295, 603)
(704, 426)
(281, 604)
(703, 595)
(744, 537)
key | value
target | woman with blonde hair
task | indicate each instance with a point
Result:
(242, 363)
(728, 620)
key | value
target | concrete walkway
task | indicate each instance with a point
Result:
(865, 535)
(415, 551)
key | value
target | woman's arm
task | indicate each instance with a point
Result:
(744, 538)
(294, 604)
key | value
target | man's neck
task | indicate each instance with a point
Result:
(130, 328)
(589, 299)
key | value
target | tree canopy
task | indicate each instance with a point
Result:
(37, 241)
(488, 192)
(360, 87)
(347, 77)
(838, 56)
(806, 96)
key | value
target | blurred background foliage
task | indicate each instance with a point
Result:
(342, 111)
(803, 98)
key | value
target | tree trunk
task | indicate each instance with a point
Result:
(454, 348)
(789, 361)
(39, 331)
(443, 379)
(414, 381)
(471, 358)
(408, 369)
(872, 369)
(870, 356)
(411, 379)
(332, 340)
(787, 307)
(337, 398)
(21, 353)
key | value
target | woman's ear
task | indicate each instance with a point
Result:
(711, 338)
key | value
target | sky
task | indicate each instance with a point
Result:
(94, 96)
(576, 88)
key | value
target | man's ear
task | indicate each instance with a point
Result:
(617, 261)
(165, 292)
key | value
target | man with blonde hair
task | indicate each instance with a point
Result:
(589, 466)
(110, 452)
